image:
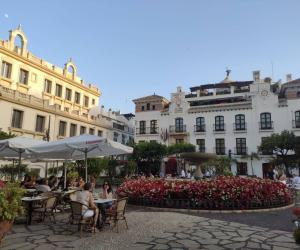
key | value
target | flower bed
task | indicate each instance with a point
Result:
(219, 193)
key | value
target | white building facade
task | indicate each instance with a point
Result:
(226, 118)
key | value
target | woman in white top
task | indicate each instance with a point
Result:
(90, 209)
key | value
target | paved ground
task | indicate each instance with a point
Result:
(163, 230)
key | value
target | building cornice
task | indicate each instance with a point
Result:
(46, 70)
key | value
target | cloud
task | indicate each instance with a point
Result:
(6, 15)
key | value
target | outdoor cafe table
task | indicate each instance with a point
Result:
(29, 201)
(100, 202)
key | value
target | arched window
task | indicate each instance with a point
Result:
(179, 125)
(265, 121)
(219, 123)
(148, 106)
(297, 119)
(200, 124)
(240, 123)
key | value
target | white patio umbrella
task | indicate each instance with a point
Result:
(14, 148)
(78, 148)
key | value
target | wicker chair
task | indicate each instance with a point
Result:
(77, 217)
(47, 209)
(118, 213)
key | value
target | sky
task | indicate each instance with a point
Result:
(134, 48)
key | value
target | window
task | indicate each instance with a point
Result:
(148, 106)
(17, 118)
(73, 130)
(93, 101)
(265, 121)
(153, 127)
(201, 145)
(100, 133)
(82, 130)
(58, 90)
(153, 107)
(91, 131)
(86, 101)
(62, 128)
(240, 122)
(219, 123)
(48, 86)
(200, 124)
(68, 94)
(178, 141)
(241, 148)
(6, 69)
(297, 119)
(66, 109)
(220, 146)
(40, 124)
(143, 108)
(241, 168)
(23, 76)
(77, 98)
(123, 139)
(179, 125)
(116, 135)
(142, 127)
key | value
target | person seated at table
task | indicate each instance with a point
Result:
(90, 209)
(80, 183)
(93, 183)
(26, 181)
(106, 194)
(52, 182)
(43, 186)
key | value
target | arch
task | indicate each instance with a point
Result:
(18, 34)
(70, 65)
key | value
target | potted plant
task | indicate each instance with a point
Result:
(10, 206)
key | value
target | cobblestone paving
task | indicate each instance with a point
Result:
(150, 230)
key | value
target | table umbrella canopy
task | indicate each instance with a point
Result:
(78, 148)
(13, 147)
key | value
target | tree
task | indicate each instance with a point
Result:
(98, 165)
(219, 166)
(148, 156)
(283, 145)
(181, 148)
(4, 135)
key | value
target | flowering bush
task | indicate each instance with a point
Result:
(219, 193)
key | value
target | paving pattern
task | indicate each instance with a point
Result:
(150, 230)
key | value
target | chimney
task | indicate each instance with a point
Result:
(256, 75)
(288, 77)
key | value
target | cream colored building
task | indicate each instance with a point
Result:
(40, 100)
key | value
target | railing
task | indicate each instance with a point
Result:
(240, 126)
(241, 90)
(220, 150)
(241, 150)
(296, 123)
(147, 131)
(266, 125)
(199, 128)
(178, 129)
(219, 127)
(224, 92)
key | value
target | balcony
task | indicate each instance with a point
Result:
(266, 125)
(220, 150)
(241, 151)
(177, 129)
(199, 128)
(219, 128)
(147, 131)
(239, 127)
(296, 124)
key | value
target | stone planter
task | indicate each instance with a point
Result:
(5, 226)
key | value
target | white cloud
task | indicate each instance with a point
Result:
(6, 15)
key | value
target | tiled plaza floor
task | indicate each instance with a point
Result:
(157, 230)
